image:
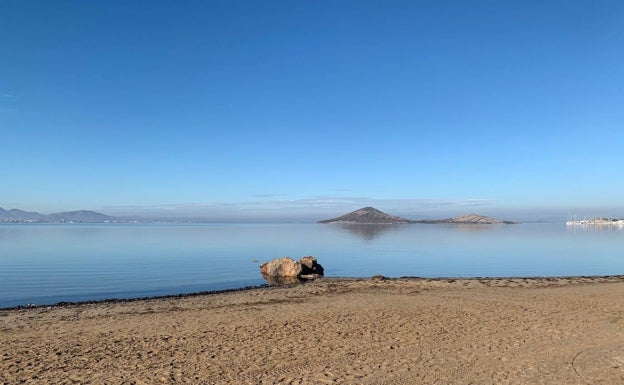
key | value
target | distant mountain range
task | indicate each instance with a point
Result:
(81, 216)
(370, 215)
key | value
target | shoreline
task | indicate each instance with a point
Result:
(63, 304)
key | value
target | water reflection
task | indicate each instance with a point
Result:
(595, 227)
(370, 231)
(279, 281)
(472, 227)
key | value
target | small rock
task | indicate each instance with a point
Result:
(310, 266)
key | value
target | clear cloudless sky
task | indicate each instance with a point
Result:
(125, 106)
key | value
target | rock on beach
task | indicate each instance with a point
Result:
(286, 270)
(281, 267)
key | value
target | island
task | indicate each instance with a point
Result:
(468, 219)
(370, 215)
(367, 215)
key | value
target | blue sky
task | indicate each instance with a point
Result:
(308, 108)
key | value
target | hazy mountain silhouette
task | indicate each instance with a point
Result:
(83, 216)
(20, 215)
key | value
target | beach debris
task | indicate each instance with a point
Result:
(281, 271)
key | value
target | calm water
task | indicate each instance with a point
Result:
(45, 264)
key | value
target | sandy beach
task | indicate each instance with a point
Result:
(343, 331)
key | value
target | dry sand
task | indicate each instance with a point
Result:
(404, 331)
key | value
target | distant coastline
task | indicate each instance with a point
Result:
(17, 216)
(596, 222)
(365, 215)
(80, 216)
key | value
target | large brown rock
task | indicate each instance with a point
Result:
(286, 270)
(281, 267)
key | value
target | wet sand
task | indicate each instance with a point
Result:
(332, 331)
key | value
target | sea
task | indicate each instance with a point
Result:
(42, 264)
